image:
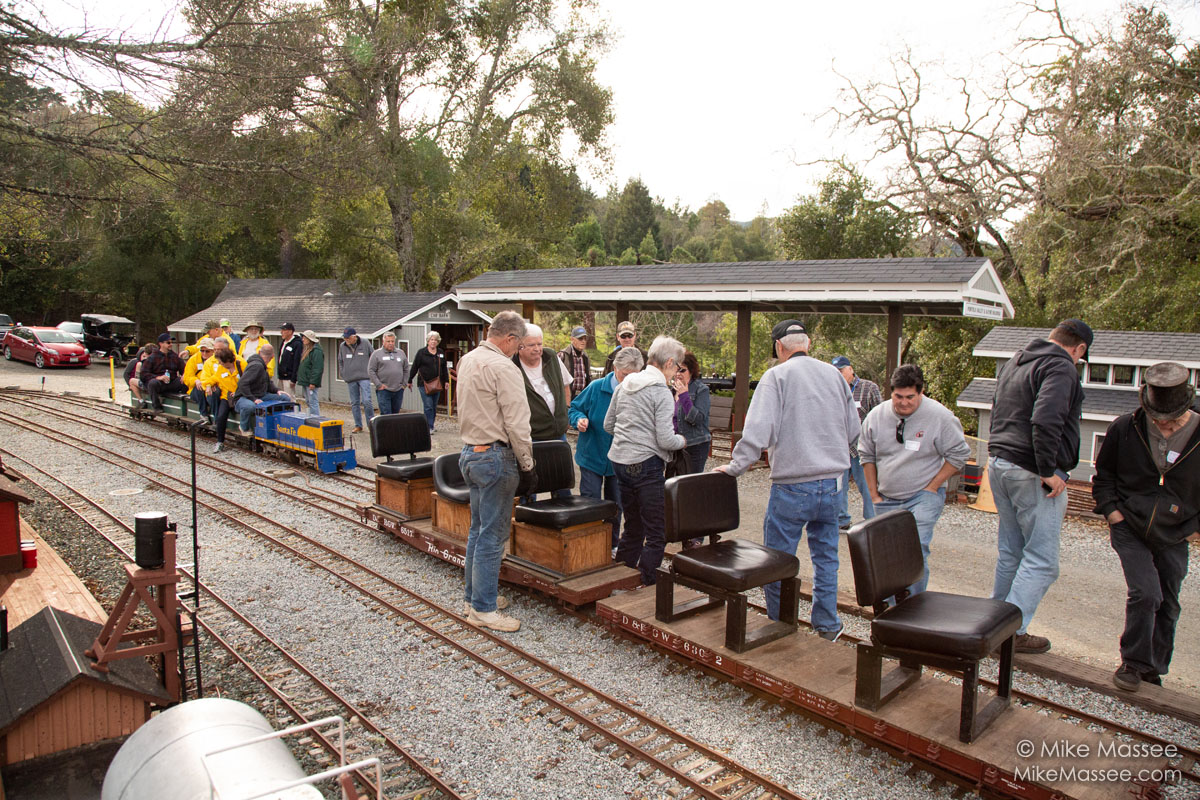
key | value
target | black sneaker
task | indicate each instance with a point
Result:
(1127, 678)
(1152, 677)
(831, 636)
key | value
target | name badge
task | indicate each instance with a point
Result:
(1172, 456)
(386, 358)
(349, 355)
(912, 444)
(857, 404)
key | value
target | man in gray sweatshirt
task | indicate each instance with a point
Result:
(803, 415)
(909, 447)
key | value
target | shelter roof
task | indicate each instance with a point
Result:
(10, 491)
(1103, 405)
(1108, 347)
(932, 286)
(45, 656)
(319, 306)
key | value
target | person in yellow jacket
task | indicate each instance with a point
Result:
(192, 370)
(252, 340)
(221, 375)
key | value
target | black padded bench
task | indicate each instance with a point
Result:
(950, 632)
(564, 535)
(706, 504)
(403, 486)
(451, 496)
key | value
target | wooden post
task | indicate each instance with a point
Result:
(741, 385)
(528, 309)
(894, 334)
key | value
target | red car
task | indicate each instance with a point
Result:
(45, 347)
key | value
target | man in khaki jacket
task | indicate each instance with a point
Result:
(496, 462)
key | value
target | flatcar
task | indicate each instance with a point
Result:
(280, 429)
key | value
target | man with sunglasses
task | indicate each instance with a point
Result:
(910, 446)
(626, 337)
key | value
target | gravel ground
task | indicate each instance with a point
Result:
(482, 737)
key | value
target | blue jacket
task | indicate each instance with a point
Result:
(591, 450)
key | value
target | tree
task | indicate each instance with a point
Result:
(632, 218)
(841, 221)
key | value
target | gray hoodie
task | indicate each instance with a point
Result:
(640, 419)
(803, 414)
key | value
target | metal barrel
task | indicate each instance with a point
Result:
(148, 530)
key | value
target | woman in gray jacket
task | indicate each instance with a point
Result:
(641, 421)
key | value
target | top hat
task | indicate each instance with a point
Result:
(1165, 392)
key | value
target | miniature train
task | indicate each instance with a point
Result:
(280, 430)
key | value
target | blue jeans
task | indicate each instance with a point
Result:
(311, 398)
(360, 395)
(602, 487)
(245, 408)
(791, 507)
(926, 508)
(1030, 525)
(200, 399)
(860, 480)
(644, 539)
(390, 400)
(429, 403)
(492, 478)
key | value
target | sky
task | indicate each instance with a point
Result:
(729, 101)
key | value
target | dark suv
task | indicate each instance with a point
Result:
(6, 324)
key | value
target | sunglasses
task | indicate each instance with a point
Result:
(900, 431)
(626, 336)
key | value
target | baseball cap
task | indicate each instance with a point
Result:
(226, 323)
(287, 326)
(622, 327)
(787, 328)
(164, 337)
(1080, 329)
(578, 332)
(206, 344)
(349, 332)
(840, 361)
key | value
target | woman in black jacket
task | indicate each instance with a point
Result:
(430, 364)
(1147, 485)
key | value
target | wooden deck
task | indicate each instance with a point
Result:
(52, 583)
(577, 591)
(818, 676)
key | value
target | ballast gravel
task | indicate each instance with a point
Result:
(444, 709)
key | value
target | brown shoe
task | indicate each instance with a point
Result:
(356, 430)
(1028, 643)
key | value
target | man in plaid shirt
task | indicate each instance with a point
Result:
(866, 396)
(575, 358)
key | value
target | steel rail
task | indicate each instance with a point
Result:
(584, 703)
(340, 702)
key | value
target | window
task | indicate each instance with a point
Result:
(1097, 443)
(1122, 375)
(1097, 373)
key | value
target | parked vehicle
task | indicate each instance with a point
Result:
(73, 328)
(106, 335)
(44, 347)
(6, 324)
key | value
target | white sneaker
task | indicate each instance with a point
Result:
(494, 620)
(218, 447)
(501, 604)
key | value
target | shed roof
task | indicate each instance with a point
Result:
(319, 307)
(1108, 347)
(10, 491)
(929, 286)
(45, 656)
(1103, 405)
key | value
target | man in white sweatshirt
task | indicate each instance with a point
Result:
(803, 415)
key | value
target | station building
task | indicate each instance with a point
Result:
(1111, 375)
(323, 307)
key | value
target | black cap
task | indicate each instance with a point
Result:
(787, 328)
(287, 326)
(1079, 328)
(164, 337)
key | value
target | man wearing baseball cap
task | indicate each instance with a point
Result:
(575, 358)
(803, 415)
(288, 360)
(1033, 444)
(866, 396)
(626, 337)
(161, 372)
(354, 360)
(227, 329)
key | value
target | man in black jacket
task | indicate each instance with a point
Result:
(1034, 444)
(255, 387)
(1147, 486)
(288, 362)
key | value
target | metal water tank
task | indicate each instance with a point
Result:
(162, 759)
(148, 530)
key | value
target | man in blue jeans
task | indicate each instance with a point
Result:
(388, 370)
(496, 463)
(1034, 444)
(866, 396)
(910, 446)
(803, 414)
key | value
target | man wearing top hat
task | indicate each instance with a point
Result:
(1034, 444)
(1147, 486)
(803, 414)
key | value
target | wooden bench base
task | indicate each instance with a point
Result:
(410, 498)
(453, 518)
(571, 551)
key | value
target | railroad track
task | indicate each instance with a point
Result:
(298, 694)
(1187, 761)
(673, 762)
